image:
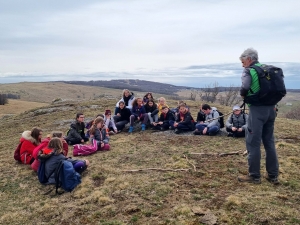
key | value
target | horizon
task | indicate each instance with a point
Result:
(180, 42)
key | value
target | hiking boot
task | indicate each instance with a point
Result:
(272, 180)
(143, 127)
(111, 132)
(249, 179)
(130, 129)
(177, 131)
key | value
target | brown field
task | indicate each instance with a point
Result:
(18, 106)
(203, 190)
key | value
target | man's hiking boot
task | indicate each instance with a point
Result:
(177, 131)
(249, 179)
(143, 127)
(130, 129)
(272, 180)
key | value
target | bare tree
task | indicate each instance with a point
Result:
(193, 95)
(230, 96)
(210, 92)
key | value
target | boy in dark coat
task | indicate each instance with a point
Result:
(76, 132)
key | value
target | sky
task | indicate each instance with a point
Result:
(187, 42)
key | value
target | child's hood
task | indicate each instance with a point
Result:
(26, 135)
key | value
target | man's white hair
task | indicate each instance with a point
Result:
(249, 53)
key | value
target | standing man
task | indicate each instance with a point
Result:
(260, 124)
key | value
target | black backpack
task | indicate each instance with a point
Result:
(221, 118)
(272, 87)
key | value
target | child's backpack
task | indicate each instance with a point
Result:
(43, 179)
(81, 149)
(272, 87)
(17, 153)
(220, 119)
(66, 177)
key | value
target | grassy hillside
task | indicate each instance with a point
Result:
(192, 189)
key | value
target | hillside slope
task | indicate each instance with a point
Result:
(182, 188)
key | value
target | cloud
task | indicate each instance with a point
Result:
(85, 37)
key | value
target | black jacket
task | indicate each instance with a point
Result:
(125, 113)
(150, 109)
(166, 118)
(76, 131)
(187, 120)
(200, 117)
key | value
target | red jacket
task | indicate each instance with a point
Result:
(36, 163)
(27, 147)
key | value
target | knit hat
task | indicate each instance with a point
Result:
(107, 112)
(79, 166)
(236, 107)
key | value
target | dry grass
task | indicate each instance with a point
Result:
(18, 106)
(108, 195)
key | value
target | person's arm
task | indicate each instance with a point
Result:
(215, 120)
(228, 123)
(246, 82)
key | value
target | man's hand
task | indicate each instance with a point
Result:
(82, 141)
(205, 130)
(175, 124)
(102, 145)
(118, 114)
(240, 129)
(233, 128)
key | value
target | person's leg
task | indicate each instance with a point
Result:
(144, 118)
(253, 140)
(200, 127)
(183, 127)
(121, 124)
(85, 138)
(73, 141)
(213, 130)
(117, 118)
(150, 117)
(155, 117)
(171, 123)
(272, 166)
(132, 119)
(165, 125)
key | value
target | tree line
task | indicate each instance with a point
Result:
(4, 98)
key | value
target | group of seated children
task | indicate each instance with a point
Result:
(129, 110)
(53, 149)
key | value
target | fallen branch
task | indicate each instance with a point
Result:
(157, 169)
(189, 162)
(216, 154)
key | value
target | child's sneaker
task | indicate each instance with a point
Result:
(143, 127)
(130, 130)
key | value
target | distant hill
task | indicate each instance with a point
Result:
(144, 86)
(134, 85)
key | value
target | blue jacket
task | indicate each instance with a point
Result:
(137, 112)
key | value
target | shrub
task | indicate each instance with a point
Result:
(294, 113)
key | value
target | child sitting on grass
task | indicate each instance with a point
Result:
(151, 109)
(98, 132)
(184, 120)
(138, 113)
(161, 103)
(164, 120)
